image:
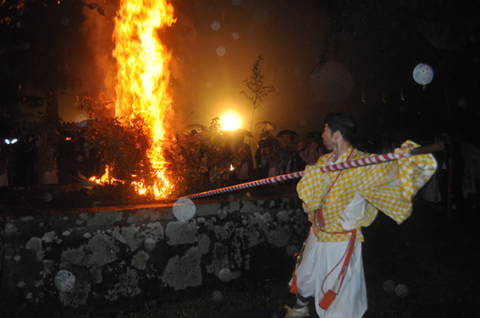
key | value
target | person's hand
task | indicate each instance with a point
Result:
(406, 148)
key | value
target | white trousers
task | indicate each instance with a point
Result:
(323, 261)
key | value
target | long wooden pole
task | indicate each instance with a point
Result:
(335, 167)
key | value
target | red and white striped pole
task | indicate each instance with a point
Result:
(335, 167)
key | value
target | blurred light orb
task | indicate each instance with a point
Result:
(47, 197)
(149, 243)
(80, 120)
(64, 281)
(217, 295)
(65, 21)
(184, 209)
(423, 74)
(463, 103)
(221, 51)
(235, 35)
(236, 2)
(401, 290)
(225, 275)
(215, 25)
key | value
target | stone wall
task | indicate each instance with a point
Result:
(111, 259)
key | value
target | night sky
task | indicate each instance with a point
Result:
(321, 56)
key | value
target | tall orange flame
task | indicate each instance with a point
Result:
(143, 74)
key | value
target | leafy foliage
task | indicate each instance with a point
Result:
(100, 107)
(195, 163)
(257, 88)
(122, 148)
(199, 161)
(13, 11)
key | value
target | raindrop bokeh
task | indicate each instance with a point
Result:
(423, 74)
(149, 243)
(80, 120)
(463, 103)
(215, 25)
(47, 197)
(184, 209)
(221, 51)
(64, 281)
(217, 295)
(401, 290)
(225, 275)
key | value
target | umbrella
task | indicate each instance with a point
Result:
(197, 127)
(265, 125)
(284, 133)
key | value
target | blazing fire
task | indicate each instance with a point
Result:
(106, 178)
(143, 76)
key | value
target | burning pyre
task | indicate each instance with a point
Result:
(143, 76)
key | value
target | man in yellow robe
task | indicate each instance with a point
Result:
(339, 204)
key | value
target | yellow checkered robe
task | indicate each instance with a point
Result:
(388, 187)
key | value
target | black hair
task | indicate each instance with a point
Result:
(343, 122)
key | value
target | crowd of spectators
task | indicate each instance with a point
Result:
(273, 158)
(44, 156)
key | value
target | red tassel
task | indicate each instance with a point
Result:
(293, 286)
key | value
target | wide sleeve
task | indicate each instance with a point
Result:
(415, 171)
(309, 188)
(397, 183)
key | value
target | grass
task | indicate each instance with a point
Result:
(244, 299)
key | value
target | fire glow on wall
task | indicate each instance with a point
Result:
(143, 76)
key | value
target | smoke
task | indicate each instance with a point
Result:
(98, 31)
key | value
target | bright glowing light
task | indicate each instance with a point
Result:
(230, 120)
(11, 141)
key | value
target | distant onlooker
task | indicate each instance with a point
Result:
(47, 160)
(261, 157)
(4, 158)
(25, 154)
(312, 150)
